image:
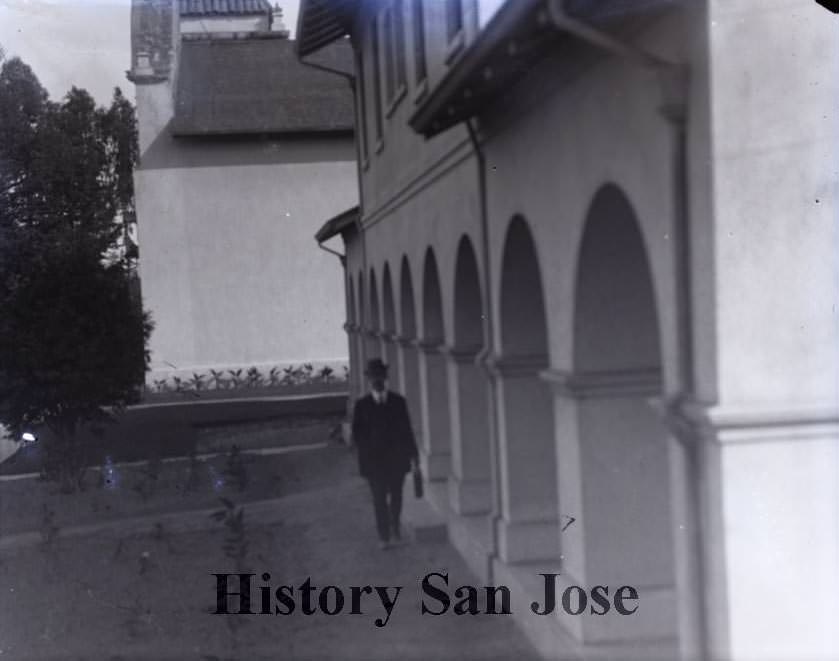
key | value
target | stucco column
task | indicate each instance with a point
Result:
(697, 530)
(357, 369)
(528, 529)
(383, 341)
(408, 384)
(371, 344)
(436, 446)
(470, 488)
(390, 352)
(772, 267)
(569, 476)
(356, 380)
(767, 513)
(622, 502)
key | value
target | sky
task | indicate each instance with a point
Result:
(86, 43)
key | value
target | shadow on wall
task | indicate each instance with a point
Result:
(168, 152)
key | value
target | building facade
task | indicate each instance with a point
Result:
(597, 244)
(243, 151)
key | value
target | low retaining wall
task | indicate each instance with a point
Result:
(171, 429)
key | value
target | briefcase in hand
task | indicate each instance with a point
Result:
(417, 482)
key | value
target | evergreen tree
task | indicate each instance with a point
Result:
(72, 336)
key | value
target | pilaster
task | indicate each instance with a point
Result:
(528, 528)
(435, 410)
(470, 488)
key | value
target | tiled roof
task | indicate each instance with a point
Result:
(257, 85)
(223, 7)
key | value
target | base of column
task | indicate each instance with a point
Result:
(436, 466)
(528, 541)
(469, 497)
(472, 537)
(586, 636)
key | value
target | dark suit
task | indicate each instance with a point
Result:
(385, 441)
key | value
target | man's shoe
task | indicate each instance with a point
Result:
(384, 545)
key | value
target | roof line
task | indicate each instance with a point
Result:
(516, 37)
(211, 133)
(426, 119)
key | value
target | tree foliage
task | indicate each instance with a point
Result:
(64, 167)
(72, 333)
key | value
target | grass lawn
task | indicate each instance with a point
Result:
(126, 491)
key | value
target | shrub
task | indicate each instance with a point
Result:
(235, 471)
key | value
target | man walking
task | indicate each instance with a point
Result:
(381, 430)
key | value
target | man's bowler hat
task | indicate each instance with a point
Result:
(376, 367)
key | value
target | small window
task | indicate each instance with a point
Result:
(454, 18)
(418, 23)
(361, 104)
(399, 41)
(377, 83)
(393, 33)
(390, 69)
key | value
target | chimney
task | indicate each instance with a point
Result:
(153, 29)
(277, 24)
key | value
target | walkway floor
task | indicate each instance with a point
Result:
(87, 605)
(338, 548)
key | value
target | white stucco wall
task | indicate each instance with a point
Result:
(775, 80)
(762, 197)
(229, 267)
(774, 90)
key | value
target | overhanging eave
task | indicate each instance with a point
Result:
(338, 224)
(519, 34)
(320, 22)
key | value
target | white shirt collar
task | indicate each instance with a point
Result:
(379, 397)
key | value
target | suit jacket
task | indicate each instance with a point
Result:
(383, 435)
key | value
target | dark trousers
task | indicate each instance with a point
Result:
(387, 503)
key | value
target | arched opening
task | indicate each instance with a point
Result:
(623, 446)
(407, 308)
(389, 312)
(527, 451)
(470, 489)
(524, 328)
(468, 302)
(432, 303)
(409, 369)
(374, 320)
(389, 329)
(434, 376)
